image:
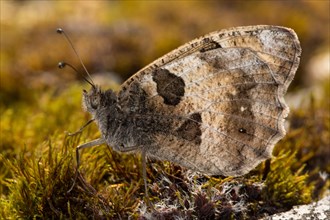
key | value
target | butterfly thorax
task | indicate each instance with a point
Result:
(118, 120)
(103, 107)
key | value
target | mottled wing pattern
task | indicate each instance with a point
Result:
(218, 100)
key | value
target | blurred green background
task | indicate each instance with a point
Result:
(39, 102)
(124, 36)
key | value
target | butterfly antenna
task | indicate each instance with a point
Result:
(90, 81)
(62, 64)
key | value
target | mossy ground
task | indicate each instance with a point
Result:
(38, 109)
(36, 176)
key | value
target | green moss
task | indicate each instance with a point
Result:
(39, 189)
(35, 183)
(285, 187)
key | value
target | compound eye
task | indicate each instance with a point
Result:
(94, 102)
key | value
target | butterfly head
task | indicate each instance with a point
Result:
(95, 99)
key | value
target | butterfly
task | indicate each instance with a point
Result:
(214, 105)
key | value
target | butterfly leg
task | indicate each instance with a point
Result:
(93, 143)
(144, 174)
(122, 148)
(81, 129)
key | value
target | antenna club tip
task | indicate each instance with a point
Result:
(59, 30)
(61, 65)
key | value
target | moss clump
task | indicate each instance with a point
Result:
(40, 184)
(285, 187)
(35, 183)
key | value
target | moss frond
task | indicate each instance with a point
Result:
(285, 187)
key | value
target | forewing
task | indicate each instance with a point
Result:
(219, 98)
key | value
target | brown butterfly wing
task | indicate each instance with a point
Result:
(216, 104)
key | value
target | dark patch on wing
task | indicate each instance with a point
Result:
(209, 45)
(218, 63)
(169, 86)
(191, 129)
